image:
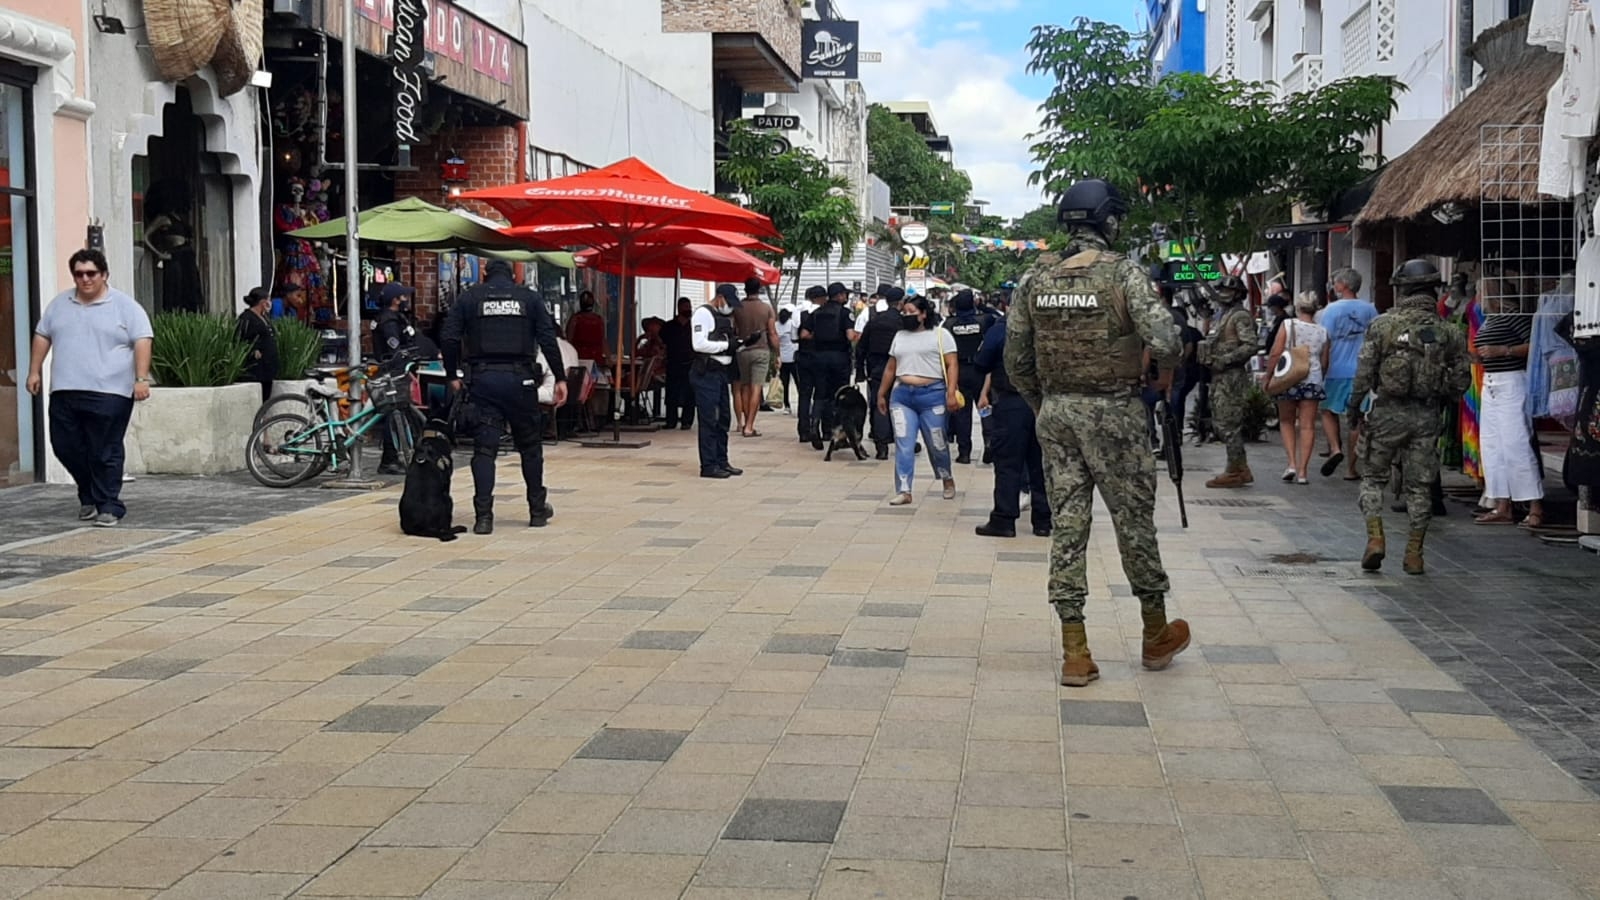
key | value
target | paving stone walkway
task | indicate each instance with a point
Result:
(765, 688)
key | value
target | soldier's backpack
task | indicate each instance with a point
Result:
(1416, 363)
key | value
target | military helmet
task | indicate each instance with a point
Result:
(1417, 273)
(1227, 284)
(1091, 202)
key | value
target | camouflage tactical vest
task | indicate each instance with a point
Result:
(1416, 358)
(1084, 337)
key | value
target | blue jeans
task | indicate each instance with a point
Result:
(918, 409)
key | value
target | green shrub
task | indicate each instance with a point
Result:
(194, 350)
(299, 346)
(1259, 409)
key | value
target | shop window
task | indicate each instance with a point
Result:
(19, 307)
(182, 207)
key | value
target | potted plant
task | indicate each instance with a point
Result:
(197, 417)
(299, 346)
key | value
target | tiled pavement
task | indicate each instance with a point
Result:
(772, 687)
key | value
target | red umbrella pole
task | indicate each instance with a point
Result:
(622, 318)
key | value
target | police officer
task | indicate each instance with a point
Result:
(873, 350)
(968, 328)
(1018, 458)
(831, 330)
(1415, 363)
(392, 333)
(502, 327)
(715, 344)
(1227, 351)
(1078, 328)
(805, 367)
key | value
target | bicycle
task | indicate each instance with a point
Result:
(288, 448)
(301, 404)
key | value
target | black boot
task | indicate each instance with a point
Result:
(539, 516)
(484, 523)
(992, 528)
(883, 452)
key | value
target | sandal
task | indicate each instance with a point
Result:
(1532, 520)
(1494, 518)
(901, 500)
(1332, 465)
(751, 433)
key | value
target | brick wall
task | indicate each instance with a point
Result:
(777, 21)
(491, 153)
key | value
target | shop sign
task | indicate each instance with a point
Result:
(779, 123)
(1180, 271)
(832, 49)
(405, 54)
(468, 54)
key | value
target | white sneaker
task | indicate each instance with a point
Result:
(1027, 500)
(1288, 475)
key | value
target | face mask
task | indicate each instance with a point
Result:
(910, 323)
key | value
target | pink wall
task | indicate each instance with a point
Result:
(64, 205)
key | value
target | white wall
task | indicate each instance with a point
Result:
(630, 31)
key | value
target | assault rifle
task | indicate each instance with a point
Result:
(1172, 444)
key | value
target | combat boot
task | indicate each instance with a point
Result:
(1232, 477)
(484, 523)
(1412, 564)
(1077, 666)
(1372, 557)
(1163, 640)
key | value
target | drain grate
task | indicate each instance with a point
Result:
(1294, 572)
(1233, 504)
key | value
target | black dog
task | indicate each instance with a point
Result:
(850, 421)
(425, 505)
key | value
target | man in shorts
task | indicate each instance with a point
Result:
(1346, 320)
(753, 317)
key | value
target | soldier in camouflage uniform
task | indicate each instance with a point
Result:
(1227, 352)
(1415, 363)
(1075, 339)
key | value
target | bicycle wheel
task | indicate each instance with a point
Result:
(282, 404)
(285, 451)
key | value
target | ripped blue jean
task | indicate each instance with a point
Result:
(915, 409)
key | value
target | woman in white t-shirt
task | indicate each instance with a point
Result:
(788, 333)
(1297, 407)
(918, 388)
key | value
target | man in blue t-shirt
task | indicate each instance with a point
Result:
(1346, 320)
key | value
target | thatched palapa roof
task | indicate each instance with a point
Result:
(1446, 165)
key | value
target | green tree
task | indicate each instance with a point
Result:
(916, 175)
(813, 209)
(1220, 159)
(1036, 225)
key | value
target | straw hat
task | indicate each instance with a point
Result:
(187, 35)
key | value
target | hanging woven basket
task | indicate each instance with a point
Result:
(187, 35)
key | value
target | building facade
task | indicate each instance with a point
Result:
(1177, 36)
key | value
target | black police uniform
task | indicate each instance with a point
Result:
(680, 356)
(711, 374)
(805, 375)
(1017, 455)
(502, 326)
(967, 327)
(829, 326)
(874, 344)
(391, 334)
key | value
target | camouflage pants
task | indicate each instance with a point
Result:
(1230, 391)
(1406, 434)
(1099, 442)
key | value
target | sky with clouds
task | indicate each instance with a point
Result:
(968, 58)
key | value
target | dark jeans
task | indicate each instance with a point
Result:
(715, 405)
(1018, 463)
(805, 375)
(503, 399)
(833, 372)
(970, 383)
(680, 396)
(1181, 386)
(786, 377)
(86, 432)
(882, 425)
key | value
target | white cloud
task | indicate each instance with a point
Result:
(968, 84)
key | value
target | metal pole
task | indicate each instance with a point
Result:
(352, 209)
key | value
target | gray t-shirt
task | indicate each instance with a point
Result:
(91, 344)
(921, 353)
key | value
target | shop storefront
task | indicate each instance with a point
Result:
(18, 281)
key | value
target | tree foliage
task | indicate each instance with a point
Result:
(1208, 156)
(915, 174)
(813, 209)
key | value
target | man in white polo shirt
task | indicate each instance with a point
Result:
(98, 340)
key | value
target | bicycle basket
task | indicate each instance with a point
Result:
(389, 391)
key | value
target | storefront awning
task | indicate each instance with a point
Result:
(1305, 234)
(1445, 166)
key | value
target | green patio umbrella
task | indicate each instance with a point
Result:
(417, 224)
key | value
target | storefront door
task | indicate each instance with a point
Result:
(18, 296)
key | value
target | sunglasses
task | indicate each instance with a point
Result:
(85, 273)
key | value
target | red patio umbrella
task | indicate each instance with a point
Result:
(548, 236)
(694, 261)
(627, 202)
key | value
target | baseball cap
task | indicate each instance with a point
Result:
(815, 291)
(729, 293)
(837, 288)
